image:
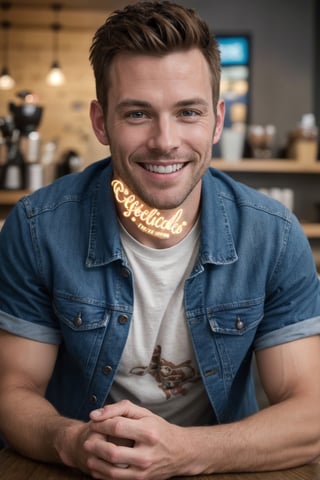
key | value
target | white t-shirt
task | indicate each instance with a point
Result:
(158, 369)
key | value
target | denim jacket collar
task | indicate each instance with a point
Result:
(217, 243)
(104, 246)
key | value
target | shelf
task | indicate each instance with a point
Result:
(271, 166)
(11, 197)
(312, 230)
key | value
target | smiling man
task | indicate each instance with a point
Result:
(134, 295)
(160, 122)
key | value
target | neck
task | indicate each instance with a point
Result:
(151, 226)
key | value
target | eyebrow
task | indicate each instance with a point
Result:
(192, 101)
(131, 102)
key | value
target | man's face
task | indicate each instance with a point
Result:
(160, 125)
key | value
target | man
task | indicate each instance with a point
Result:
(134, 294)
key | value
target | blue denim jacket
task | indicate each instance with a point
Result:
(64, 279)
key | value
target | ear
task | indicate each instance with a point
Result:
(219, 121)
(98, 122)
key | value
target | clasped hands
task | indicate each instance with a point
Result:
(125, 441)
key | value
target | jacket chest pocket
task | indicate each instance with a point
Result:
(82, 326)
(236, 319)
(234, 327)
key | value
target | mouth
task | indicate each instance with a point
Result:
(164, 169)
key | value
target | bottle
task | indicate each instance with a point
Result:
(13, 172)
(34, 169)
(303, 144)
(48, 162)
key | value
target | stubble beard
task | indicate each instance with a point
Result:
(164, 199)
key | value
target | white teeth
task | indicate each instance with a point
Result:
(164, 168)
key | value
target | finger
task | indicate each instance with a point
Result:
(94, 443)
(101, 469)
(104, 470)
(124, 408)
(120, 441)
(118, 430)
(118, 426)
(99, 445)
(106, 455)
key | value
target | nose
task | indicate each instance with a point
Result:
(164, 135)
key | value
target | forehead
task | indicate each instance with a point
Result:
(131, 73)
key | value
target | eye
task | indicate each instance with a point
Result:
(136, 115)
(189, 113)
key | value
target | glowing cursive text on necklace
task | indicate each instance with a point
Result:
(148, 220)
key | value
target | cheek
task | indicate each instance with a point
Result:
(124, 147)
(200, 138)
(128, 139)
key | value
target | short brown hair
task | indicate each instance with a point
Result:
(152, 28)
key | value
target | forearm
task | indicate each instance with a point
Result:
(274, 438)
(33, 427)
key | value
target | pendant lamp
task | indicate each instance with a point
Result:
(55, 76)
(6, 81)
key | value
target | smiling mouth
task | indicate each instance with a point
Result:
(175, 167)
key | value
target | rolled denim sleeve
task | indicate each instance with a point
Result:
(292, 307)
(25, 305)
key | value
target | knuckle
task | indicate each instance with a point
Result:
(117, 427)
(126, 403)
(144, 464)
(113, 455)
(152, 437)
(90, 462)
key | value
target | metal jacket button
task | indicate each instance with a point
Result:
(77, 322)
(107, 369)
(122, 319)
(239, 323)
(125, 272)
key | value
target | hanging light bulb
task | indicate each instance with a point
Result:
(55, 76)
(6, 81)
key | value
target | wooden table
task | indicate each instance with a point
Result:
(16, 467)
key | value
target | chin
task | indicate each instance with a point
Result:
(168, 205)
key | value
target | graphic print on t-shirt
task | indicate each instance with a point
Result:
(171, 378)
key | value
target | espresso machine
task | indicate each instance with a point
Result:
(20, 141)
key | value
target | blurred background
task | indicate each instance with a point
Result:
(283, 61)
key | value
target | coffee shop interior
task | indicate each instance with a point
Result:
(270, 53)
